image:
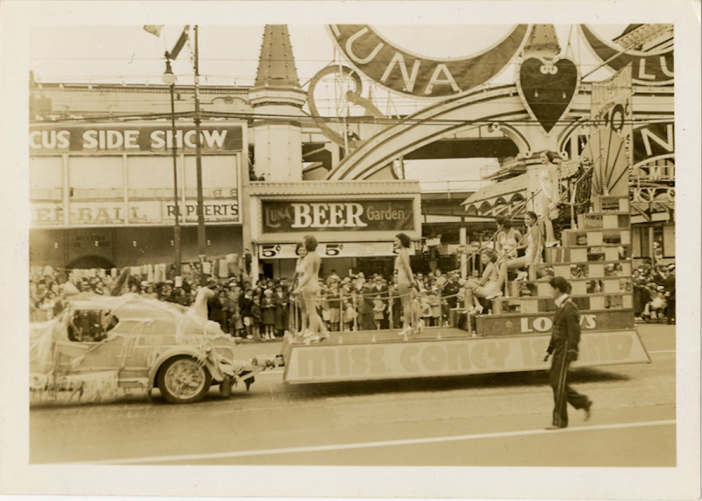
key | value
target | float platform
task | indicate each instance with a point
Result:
(443, 351)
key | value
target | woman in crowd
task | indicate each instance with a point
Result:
(256, 317)
(334, 302)
(489, 285)
(534, 248)
(404, 280)
(308, 289)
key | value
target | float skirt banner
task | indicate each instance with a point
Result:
(345, 215)
(410, 359)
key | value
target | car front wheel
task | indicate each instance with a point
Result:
(183, 380)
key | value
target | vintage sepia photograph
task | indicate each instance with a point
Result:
(326, 247)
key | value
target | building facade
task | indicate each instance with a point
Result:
(102, 168)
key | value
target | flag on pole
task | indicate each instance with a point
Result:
(179, 44)
(154, 29)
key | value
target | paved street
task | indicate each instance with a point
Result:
(490, 420)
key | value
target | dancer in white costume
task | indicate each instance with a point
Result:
(507, 238)
(534, 247)
(308, 287)
(405, 278)
(548, 178)
(490, 285)
(301, 252)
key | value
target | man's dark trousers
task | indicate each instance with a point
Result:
(562, 393)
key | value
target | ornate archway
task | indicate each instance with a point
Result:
(492, 109)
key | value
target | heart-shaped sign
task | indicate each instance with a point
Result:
(547, 88)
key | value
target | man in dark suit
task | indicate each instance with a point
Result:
(669, 285)
(365, 299)
(565, 338)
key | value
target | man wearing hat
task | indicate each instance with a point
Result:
(565, 338)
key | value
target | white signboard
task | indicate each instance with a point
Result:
(326, 250)
(146, 212)
(164, 211)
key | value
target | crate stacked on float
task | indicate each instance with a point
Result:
(595, 259)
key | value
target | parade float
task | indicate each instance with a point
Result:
(513, 333)
(102, 348)
(591, 208)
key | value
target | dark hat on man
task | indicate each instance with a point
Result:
(561, 284)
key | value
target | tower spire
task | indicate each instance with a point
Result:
(276, 65)
(278, 99)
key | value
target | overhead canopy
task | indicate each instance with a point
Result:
(502, 197)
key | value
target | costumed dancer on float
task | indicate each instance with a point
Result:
(405, 279)
(534, 248)
(548, 178)
(299, 318)
(308, 288)
(490, 285)
(507, 238)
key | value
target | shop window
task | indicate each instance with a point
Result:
(669, 240)
(151, 176)
(46, 178)
(219, 176)
(96, 177)
(640, 241)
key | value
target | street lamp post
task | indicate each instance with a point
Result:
(201, 237)
(170, 79)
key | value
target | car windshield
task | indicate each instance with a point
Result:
(91, 326)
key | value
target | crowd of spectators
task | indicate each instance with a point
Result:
(654, 293)
(266, 310)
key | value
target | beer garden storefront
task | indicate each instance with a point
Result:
(355, 223)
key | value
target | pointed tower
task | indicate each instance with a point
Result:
(543, 42)
(277, 92)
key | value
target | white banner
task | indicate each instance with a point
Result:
(402, 359)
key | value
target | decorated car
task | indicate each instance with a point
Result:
(101, 347)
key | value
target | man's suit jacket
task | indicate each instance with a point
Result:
(566, 328)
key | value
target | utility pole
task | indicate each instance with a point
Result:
(170, 80)
(201, 238)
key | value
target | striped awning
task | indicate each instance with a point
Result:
(502, 197)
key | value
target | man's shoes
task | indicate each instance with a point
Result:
(554, 427)
(588, 410)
